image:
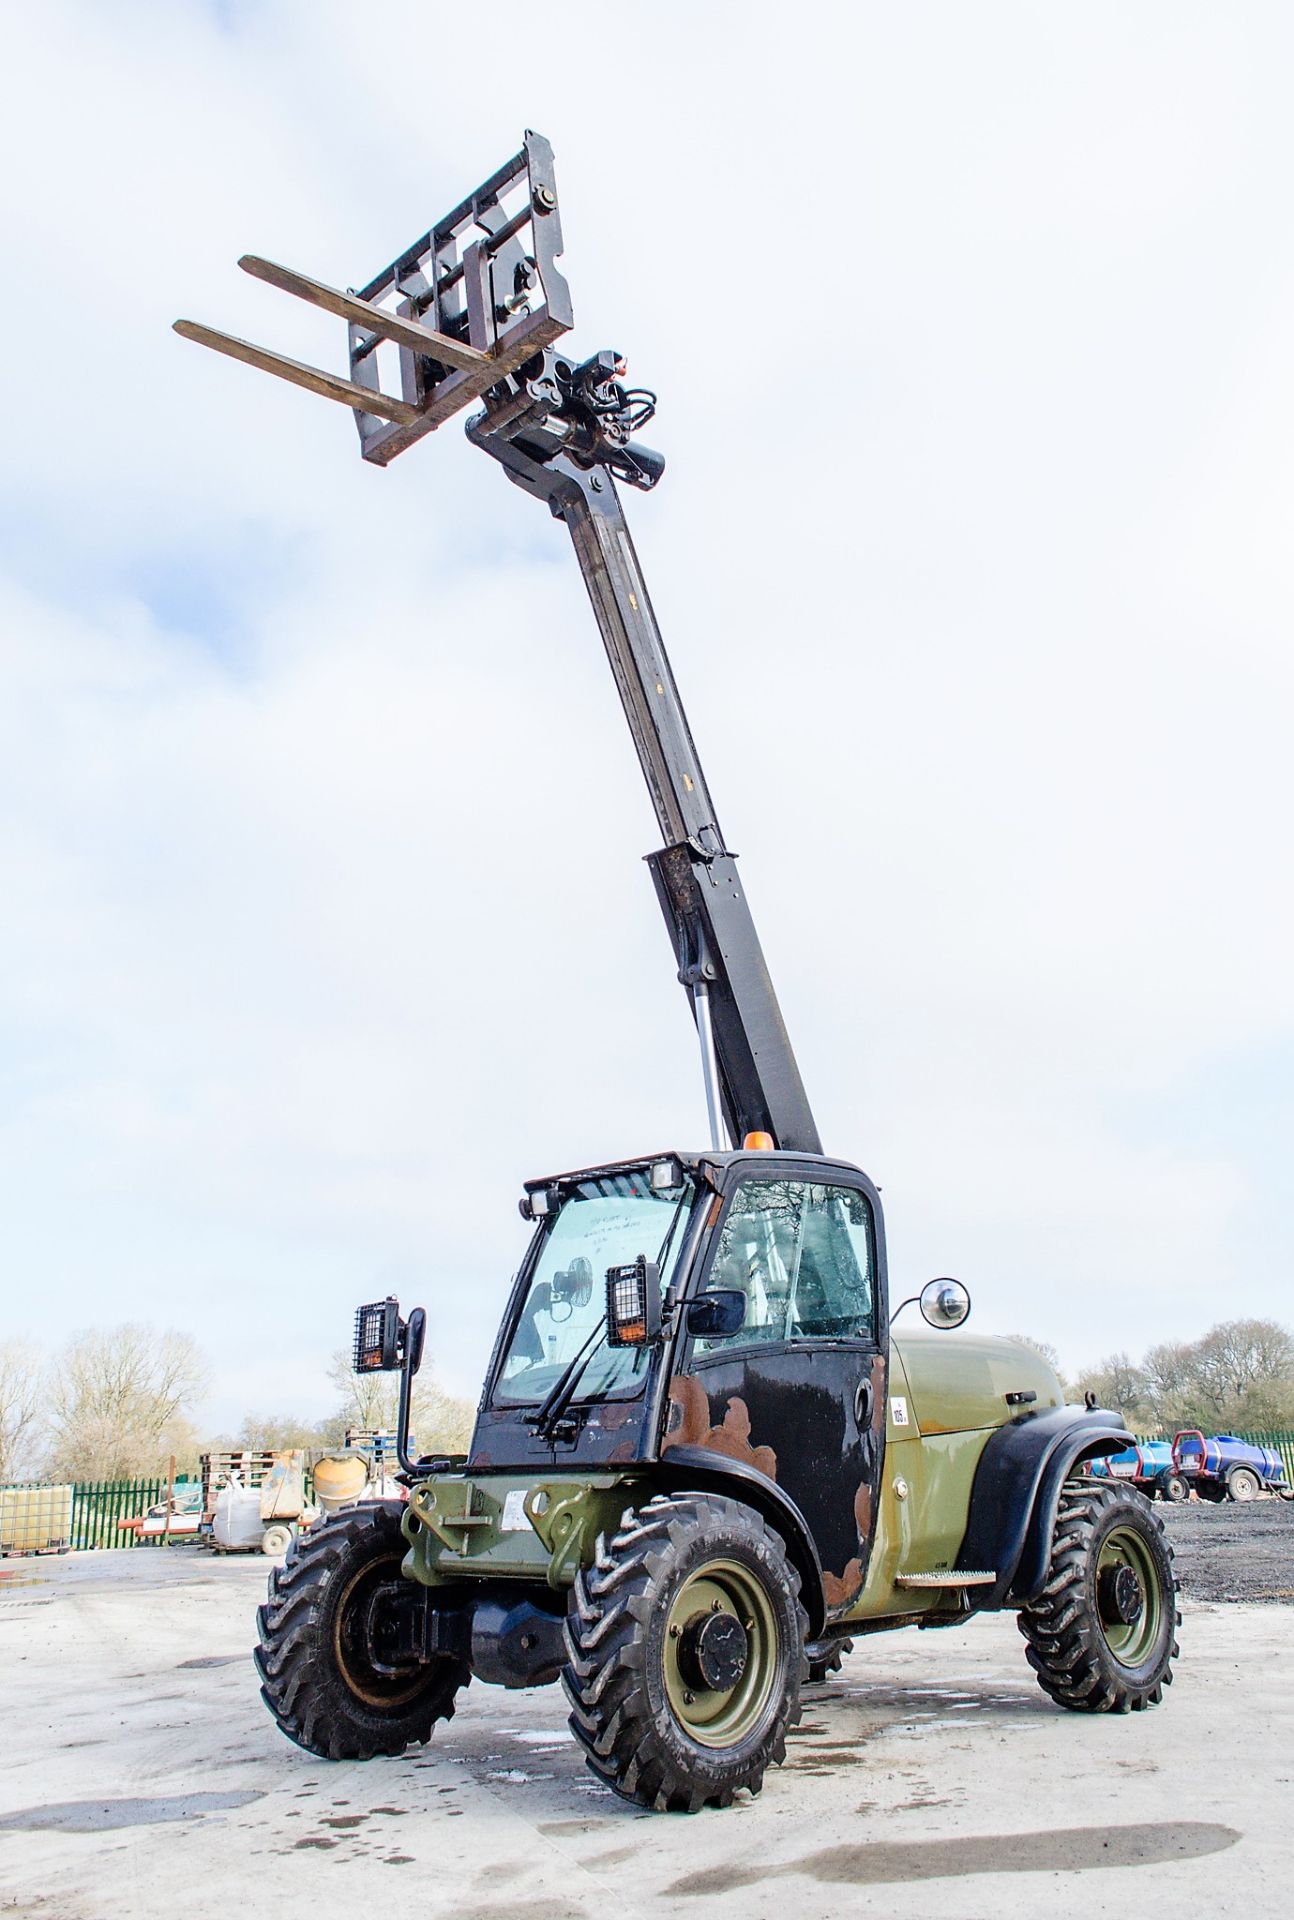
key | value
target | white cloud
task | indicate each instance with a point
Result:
(325, 919)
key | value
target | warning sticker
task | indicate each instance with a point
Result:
(899, 1412)
(514, 1512)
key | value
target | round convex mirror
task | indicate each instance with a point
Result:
(944, 1303)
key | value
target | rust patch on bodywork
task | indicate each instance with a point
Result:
(842, 1589)
(690, 1425)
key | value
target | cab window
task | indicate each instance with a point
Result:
(801, 1253)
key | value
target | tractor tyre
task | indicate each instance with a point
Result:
(1103, 1632)
(1243, 1484)
(316, 1676)
(825, 1657)
(1172, 1487)
(685, 1653)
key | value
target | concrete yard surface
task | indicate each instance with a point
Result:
(140, 1776)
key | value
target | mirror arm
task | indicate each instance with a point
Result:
(414, 1334)
(911, 1301)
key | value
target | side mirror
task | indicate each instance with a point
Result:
(633, 1304)
(714, 1316)
(944, 1303)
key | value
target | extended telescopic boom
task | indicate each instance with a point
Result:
(475, 318)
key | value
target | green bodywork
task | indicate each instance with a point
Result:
(491, 1526)
(947, 1395)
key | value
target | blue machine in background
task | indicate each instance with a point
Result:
(1149, 1466)
(1224, 1467)
(1220, 1466)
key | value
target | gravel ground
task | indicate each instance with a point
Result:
(1233, 1551)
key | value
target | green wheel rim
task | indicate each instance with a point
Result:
(722, 1717)
(1132, 1642)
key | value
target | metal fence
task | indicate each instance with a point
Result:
(98, 1508)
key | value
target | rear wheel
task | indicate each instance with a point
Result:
(1173, 1487)
(685, 1653)
(1103, 1632)
(1243, 1484)
(318, 1678)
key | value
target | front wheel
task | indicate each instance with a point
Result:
(1172, 1487)
(1103, 1632)
(315, 1660)
(825, 1658)
(685, 1653)
(1243, 1484)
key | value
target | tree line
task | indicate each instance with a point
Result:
(1237, 1376)
(118, 1402)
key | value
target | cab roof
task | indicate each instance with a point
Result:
(709, 1165)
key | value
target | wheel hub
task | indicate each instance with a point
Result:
(1120, 1597)
(712, 1651)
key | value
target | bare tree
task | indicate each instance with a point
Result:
(1241, 1361)
(272, 1433)
(21, 1408)
(1168, 1378)
(1120, 1385)
(119, 1398)
(1238, 1375)
(440, 1420)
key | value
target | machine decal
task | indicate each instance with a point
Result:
(514, 1518)
(899, 1411)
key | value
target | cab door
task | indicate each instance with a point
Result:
(798, 1392)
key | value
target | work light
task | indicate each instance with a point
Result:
(377, 1337)
(633, 1303)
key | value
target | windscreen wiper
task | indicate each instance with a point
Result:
(559, 1396)
(544, 1419)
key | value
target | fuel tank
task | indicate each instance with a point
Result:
(958, 1382)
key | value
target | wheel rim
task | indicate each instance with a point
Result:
(1124, 1558)
(356, 1669)
(720, 1716)
(1244, 1485)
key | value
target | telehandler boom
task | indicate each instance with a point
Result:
(701, 1467)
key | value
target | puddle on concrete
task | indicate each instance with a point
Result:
(96, 1816)
(1069, 1850)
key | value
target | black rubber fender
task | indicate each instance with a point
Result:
(1016, 1493)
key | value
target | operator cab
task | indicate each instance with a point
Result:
(648, 1281)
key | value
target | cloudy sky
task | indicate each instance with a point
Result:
(324, 918)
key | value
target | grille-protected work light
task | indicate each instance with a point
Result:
(377, 1337)
(633, 1304)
